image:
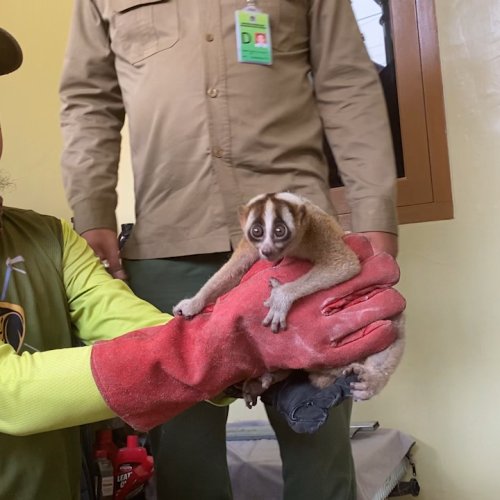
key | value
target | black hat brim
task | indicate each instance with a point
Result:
(11, 55)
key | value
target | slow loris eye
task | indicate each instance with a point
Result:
(257, 231)
(280, 231)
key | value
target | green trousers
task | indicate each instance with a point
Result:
(190, 450)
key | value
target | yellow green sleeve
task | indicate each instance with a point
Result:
(100, 307)
(47, 391)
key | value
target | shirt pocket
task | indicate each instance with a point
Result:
(288, 20)
(141, 28)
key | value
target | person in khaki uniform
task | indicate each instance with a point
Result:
(207, 133)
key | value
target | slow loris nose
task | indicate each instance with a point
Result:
(266, 252)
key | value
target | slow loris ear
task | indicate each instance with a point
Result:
(243, 214)
(301, 214)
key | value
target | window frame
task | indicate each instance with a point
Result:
(424, 193)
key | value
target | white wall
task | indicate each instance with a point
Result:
(445, 391)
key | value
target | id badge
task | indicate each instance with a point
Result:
(253, 36)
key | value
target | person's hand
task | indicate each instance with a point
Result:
(104, 242)
(383, 242)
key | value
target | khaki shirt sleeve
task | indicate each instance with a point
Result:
(352, 107)
(92, 116)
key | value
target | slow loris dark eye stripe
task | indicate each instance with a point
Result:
(270, 225)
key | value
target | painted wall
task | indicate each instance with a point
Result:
(29, 116)
(29, 106)
(444, 392)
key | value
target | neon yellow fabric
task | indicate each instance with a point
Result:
(100, 307)
(44, 391)
(55, 389)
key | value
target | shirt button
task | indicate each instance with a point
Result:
(212, 92)
(218, 152)
(209, 37)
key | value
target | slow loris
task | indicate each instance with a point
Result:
(276, 225)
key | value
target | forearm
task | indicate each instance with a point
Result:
(92, 117)
(47, 391)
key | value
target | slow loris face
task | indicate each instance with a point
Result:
(271, 222)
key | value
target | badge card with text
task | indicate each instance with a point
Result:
(253, 37)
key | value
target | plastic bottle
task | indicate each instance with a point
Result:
(133, 469)
(104, 476)
(104, 441)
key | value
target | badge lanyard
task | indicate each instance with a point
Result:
(253, 35)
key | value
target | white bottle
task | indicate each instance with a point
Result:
(104, 477)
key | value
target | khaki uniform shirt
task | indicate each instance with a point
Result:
(208, 133)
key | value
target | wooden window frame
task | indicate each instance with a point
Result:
(424, 193)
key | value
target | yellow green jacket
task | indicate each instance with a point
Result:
(54, 291)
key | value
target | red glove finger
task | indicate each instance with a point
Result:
(360, 344)
(311, 338)
(332, 328)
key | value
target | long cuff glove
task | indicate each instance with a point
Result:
(149, 376)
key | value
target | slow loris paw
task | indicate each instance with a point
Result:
(279, 304)
(369, 382)
(188, 308)
(254, 387)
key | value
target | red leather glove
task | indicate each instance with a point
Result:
(150, 375)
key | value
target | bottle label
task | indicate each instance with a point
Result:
(123, 474)
(107, 486)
